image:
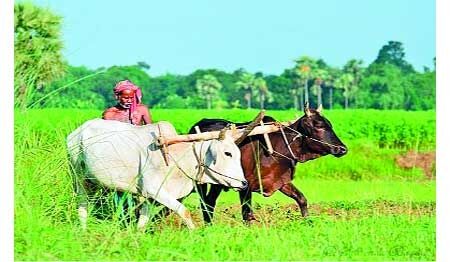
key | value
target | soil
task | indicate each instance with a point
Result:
(423, 160)
(274, 215)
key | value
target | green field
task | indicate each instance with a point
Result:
(363, 206)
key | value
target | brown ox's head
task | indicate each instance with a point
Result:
(319, 135)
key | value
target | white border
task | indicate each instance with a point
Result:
(443, 132)
(6, 128)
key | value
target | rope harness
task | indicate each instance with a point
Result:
(294, 158)
(201, 167)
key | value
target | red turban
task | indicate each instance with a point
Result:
(128, 85)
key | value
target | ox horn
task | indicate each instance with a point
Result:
(319, 109)
(250, 127)
(306, 109)
(222, 133)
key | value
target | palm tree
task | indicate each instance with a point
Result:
(344, 82)
(305, 65)
(37, 50)
(354, 67)
(208, 87)
(296, 89)
(320, 76)
(294, 92)
(333, 75)
(263, 90)
(246, 82)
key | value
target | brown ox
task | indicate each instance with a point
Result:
(308, 138)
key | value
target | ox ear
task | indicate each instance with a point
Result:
(211, 153)
(306, 109)
(319, 109)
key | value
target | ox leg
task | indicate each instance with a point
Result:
(167, 200)
(81, 194)
(162, 213)
(82, 205)
(82, 198)
(145, 213)
(208, 201)
(291, 191)
(201, 189)
(246, 202)
(82, 215)
(143, 216)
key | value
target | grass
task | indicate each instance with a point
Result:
(363, 207)
(376, 237)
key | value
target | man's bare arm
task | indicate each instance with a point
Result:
(146, 115)
(108, 114)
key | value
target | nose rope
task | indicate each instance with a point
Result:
(288, 144)
(299, 134)
(313, 139)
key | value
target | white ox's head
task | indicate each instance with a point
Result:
(222, 161)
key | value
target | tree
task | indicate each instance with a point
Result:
(37, 51)
(320, 77)
(434, 64)
(420, 91)
(296, 89)
(305, 65)
(208, 87)
(354, 67)
(383, 88)
(393, 53)
(143, 65)
(263, 90)
(280, 87)
(333, 75)
(74, 90)
(344, 82)
(295, 92)
(246, 82)
(104, 83)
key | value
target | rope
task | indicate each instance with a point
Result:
(201, 167)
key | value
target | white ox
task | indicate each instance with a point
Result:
(125, 157)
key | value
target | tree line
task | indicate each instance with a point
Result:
(44, 79)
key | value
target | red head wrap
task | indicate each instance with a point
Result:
(128, 85)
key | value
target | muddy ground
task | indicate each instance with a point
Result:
(423, 160)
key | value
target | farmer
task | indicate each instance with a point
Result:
(129, 108)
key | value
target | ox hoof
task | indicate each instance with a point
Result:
(251, 222)
(250, 219)
(307, 221)
(305, 213)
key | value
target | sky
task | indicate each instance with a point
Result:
(178, 37)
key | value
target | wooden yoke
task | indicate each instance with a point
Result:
(250, 127)
(238, 134)
(256, 127)
(215, 134)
